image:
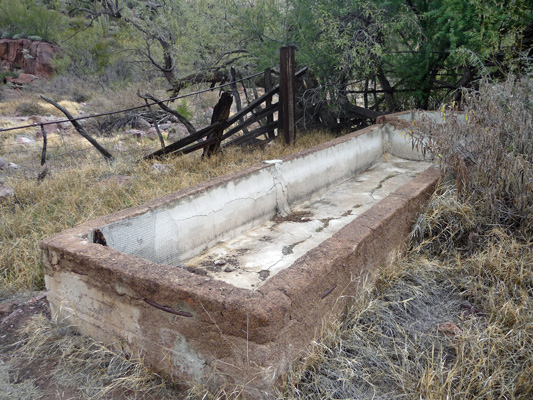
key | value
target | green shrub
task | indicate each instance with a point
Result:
(5, 74)
(184, 110)
(61, 64)
(491, 154)
(23, 18)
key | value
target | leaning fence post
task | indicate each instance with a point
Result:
(44, 168)
(287, 114)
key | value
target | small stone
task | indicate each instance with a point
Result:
(177, 132)
(220, 261)
(135, 133)
(160, 167)
(229, 268)
(264, 274)
(449, 329)
(12, 166)
(152, 134)
(24, 140)
(141, 124)
(49, 129)
(6, 192)
(3, 163)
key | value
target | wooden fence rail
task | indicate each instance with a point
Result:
(255, 112)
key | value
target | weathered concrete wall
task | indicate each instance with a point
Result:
(192, 326)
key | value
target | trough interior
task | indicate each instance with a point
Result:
(254, 256)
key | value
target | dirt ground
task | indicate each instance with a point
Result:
(29, 374)
(20, 379)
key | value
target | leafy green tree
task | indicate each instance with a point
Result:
(185, 41)
(392, 54)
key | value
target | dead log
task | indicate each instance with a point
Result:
(235, 92)
(45, 141)
(220, 114)
(270, 119)
(44, 168)
(107, 155)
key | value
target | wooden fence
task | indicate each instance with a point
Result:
(261, 110)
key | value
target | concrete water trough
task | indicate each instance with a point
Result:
(233, 279)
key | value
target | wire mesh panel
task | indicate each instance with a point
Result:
(152, 236)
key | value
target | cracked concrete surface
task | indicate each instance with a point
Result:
(275, 245)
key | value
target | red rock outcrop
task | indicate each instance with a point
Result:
(34, 57)
(22, 79)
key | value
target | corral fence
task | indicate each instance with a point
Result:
(245, 127)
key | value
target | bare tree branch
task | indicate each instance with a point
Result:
(190, 128)
(107, 155)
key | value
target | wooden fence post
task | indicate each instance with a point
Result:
(220, 114)
(287, 111)
(268, 85)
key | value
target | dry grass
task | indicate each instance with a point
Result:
(81, 187)
(491, 153)
(389, 347)
(28, 105)
(462, 268)
(75, 361)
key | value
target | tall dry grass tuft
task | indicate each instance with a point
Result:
(76, 361)
(454, 318)
(491, 153)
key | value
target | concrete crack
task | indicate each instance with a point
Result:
(380, 185)
(276, 263)
(280, 184)
(254, 199)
